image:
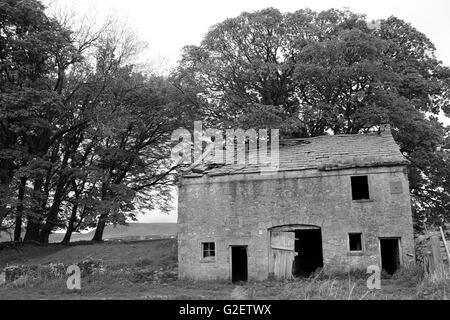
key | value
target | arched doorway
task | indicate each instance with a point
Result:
(295, 251)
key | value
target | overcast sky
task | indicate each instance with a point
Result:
(168, 25)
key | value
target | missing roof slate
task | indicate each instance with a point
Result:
(327, 153)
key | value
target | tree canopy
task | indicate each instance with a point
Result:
(331, 72)
(85, 136)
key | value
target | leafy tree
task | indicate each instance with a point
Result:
(83, 136)
(311, 73)
(35, 51)
(134, 157)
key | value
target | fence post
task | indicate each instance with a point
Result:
(446, 246)
(436, 251)
(428, 262)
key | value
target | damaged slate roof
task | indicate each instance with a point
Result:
(324, 153)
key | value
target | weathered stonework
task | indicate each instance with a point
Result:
(233, 210)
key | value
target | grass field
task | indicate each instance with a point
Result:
(158, 252)
(148, 270)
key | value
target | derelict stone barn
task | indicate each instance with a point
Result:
(336, 201)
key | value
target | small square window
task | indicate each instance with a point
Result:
(355, 242)
(209, 249)
(360, 188)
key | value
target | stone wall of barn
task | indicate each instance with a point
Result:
(240, 209)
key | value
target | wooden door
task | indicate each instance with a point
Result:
(282, 247)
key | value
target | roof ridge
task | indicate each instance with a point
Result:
(374, 149)
(372, 134)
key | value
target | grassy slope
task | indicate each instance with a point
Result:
(113, 254)
(152, 255)
(144, 257)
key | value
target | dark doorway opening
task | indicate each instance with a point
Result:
(308, 246)
(239, 264)
(390, 255)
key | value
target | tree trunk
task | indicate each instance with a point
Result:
(98, 236)
(3, 211)
(32, 232)
(70, 227)
(19, 213)
(6, 176)
(34, 221)
(68, 234)
(51, 219)
(44, 235)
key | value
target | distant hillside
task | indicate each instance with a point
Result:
(134, 231)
